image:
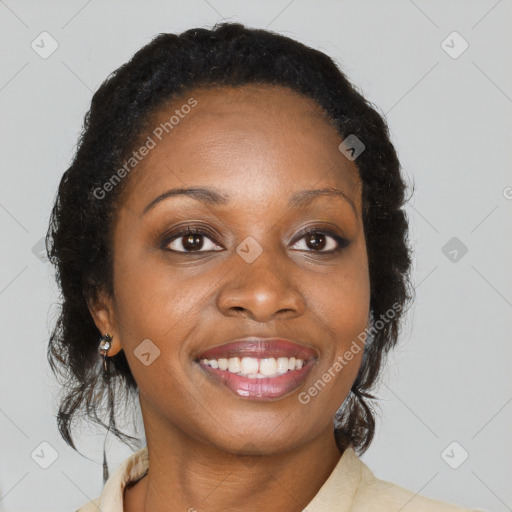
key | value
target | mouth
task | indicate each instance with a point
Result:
(258, 368)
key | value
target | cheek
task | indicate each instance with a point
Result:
(158, 306)
(341, 299)
(164, 304)
(152, 299)
(343, 309)
(341, 302)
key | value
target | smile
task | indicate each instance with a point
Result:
(258, 369)
(253, 367)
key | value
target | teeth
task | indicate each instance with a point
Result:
(268, 366)
(249, 365)
(234, 364)
(282, 365)
(255, 368)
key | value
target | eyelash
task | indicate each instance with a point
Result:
(341, 242)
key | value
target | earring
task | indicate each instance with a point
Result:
(105, 344)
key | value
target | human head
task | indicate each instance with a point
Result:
(228, 56)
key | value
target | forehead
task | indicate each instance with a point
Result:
(246, 140)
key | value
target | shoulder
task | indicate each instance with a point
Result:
(111, 498)
(374, 494)
(352, 486)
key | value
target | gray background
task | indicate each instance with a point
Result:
(450, 119)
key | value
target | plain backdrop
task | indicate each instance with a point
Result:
(450, 117)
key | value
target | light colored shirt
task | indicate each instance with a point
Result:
(351, 487)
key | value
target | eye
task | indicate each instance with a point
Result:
(322, 241)
(191, 240)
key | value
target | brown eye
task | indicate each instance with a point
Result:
(191, 240)
(316, 241)
(322, 242)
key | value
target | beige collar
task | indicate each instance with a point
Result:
(351, 486)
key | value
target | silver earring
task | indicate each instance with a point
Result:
(105, 344)
(104, 347)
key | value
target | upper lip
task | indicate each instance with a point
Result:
(261, 348)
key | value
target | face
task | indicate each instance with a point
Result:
(254, 256)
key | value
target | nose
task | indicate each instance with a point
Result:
(261, 290)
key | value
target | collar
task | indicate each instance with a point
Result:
(351, 486)
(336, 493)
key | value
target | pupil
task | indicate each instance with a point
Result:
(193, 241)
(315, 245)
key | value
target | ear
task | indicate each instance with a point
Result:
(103, 313)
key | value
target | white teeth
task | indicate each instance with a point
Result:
(268, 366)
(234, 364)
(253, 367)
(282, 365)
(249, 365)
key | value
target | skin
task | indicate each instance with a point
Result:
(210, 449)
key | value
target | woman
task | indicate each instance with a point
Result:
(232, 250)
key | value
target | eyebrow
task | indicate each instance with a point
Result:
(211, 196)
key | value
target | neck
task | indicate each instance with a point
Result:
(188, 474)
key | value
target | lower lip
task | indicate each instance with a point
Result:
(270, 388)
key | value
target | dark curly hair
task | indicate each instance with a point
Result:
(78, 241)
